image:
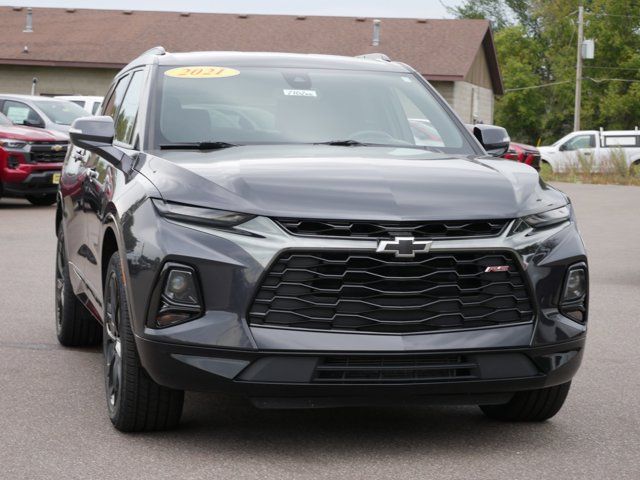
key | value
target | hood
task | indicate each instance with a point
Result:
(367, 183)
(31, 134)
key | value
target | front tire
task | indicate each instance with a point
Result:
(75, 326)
(531, 405)
(42, 200)
(135, 402)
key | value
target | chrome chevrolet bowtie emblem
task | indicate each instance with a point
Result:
(403, 247)
(56, 148)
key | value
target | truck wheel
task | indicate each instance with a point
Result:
(545, 167)
(530, 406)
(42, 200)
(136, 403)
(75, 326)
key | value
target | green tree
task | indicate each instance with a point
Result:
(536, 45)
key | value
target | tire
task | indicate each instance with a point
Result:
(135, 402)
(545, 167)
(530, 406)
(75, 326)
(42, 200)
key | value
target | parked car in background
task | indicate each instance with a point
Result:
(30, 162)
(522, 153)
(41, 112)
(89, 103)
(598, 149)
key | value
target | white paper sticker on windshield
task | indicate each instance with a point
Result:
(300, 93)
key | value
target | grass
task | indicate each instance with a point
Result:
(613, 170)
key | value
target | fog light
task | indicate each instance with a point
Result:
(13, 161)
(574, 295)
(575, 286)
(171, 318)
(176, 298)
(180, 287)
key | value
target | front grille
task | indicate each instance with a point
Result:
(375, 292)
(401, 369)
(42, 152)
(370, 229)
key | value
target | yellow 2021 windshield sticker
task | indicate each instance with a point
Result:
(202, 72)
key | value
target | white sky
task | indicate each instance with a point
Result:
(365, 8)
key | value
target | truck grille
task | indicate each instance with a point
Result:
(372, 292)
(367, 229)
(389, 369)
(44, 152)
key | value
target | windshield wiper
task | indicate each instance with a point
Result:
(343, 143)
(198, 146)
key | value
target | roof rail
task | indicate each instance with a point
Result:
(381, 57)
(157, 50)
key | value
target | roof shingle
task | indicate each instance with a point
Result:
(439, 49)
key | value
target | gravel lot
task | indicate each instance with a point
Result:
(53, 421)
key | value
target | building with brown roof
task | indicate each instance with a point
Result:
(74, 51)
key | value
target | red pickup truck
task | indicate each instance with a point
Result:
(30, 162)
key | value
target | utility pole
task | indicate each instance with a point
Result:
(576, 113)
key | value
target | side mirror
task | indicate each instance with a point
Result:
(96, 135)
(562, 147)
(92, 133)
(495, 140)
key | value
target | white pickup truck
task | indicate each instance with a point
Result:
(599, 149)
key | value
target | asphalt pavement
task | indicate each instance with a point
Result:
(53, 422)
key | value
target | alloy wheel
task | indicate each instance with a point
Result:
(59, 285)
(112, 343)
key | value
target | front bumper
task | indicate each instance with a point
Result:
(221, 352)
(285, 379)
(35, 183)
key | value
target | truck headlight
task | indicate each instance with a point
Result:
(549, 218)
(200, 215)
(12, 143)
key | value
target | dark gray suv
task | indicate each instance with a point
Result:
(311, 231)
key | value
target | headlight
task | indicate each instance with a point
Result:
(11, 143)
(200, 215)
(548, 218)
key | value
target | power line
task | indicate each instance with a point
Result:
(595, 80)
(600, 80)
(610, 68)
(536, 86)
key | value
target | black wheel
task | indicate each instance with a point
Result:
(42, 200)
(75, 326)
(530, 406)
(135, 402)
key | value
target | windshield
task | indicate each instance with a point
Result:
(60, 112)
(281, 105)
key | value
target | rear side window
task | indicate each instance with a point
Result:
(620, 140)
